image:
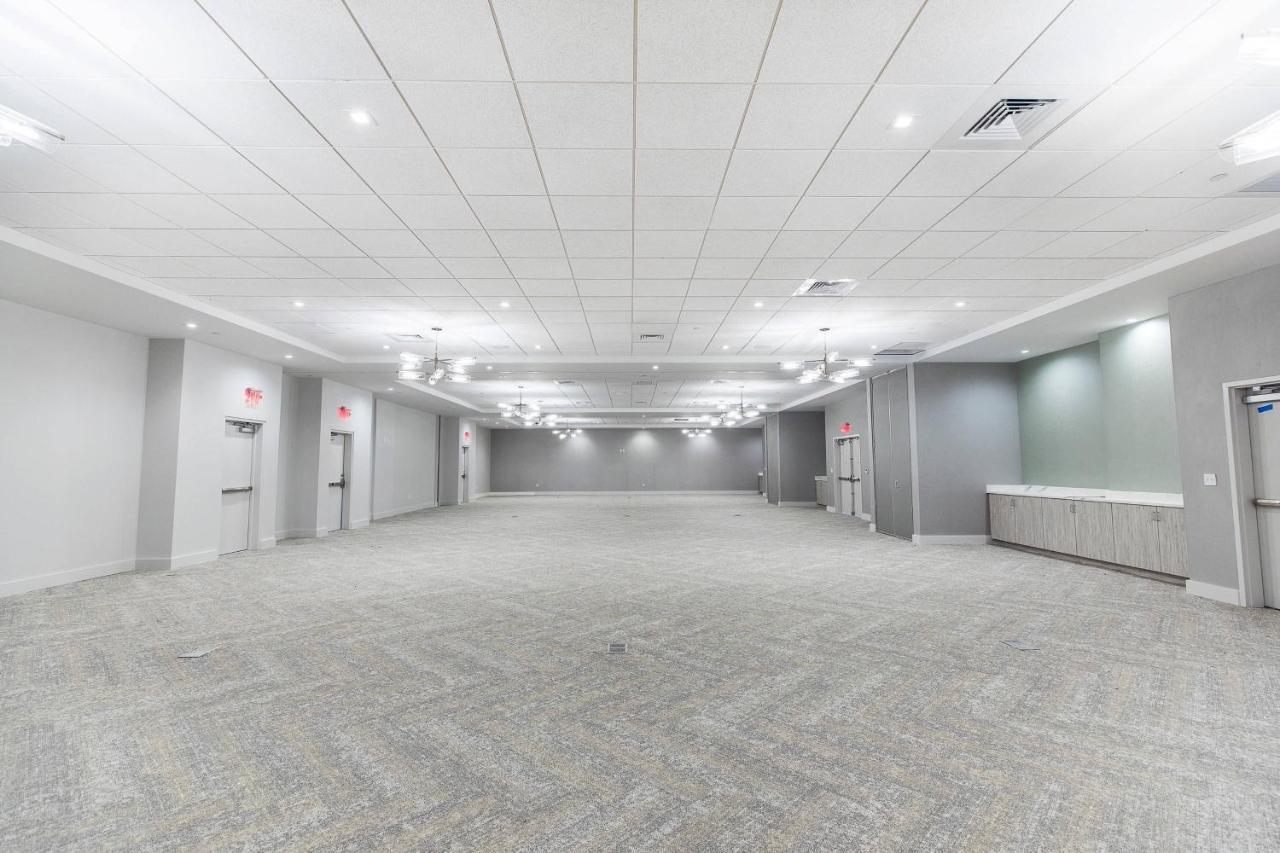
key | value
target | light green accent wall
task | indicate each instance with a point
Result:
(1101, 415)
(1142, 434)
(1060, 418)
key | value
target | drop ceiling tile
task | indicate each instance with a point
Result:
(1139, 214)
(673, 212)
(875, 244)
(933, 110)
(401, 171)
(601, 268)
(27, 169)
(517, 211)
(548, 287)
(316, 242)
(738, 243)
(544, 39)
(1013, 244)
(244, 112)
(432, 211)
(796, 268)
(211, 169)
(863, 173)
(717, 287)
(725, 267)
(414, 268)
(954, 173)
(97, 208)
(171, 242)
(1151, 244)
(295, 268)
(944, 244)
(386, 243)
(806, 244)
(188, 210)
(759, 173)
(987, 214)
(716, 41)
(597, 244)
(1044, 174)
(116, 167)
(465, 115)
(433, 39)
(1222, 214)
(798, 116)
(910, 268)
(464, 243)
(1212, 176)
(523, 243)
(663, 267)
(298, 39)
(494, 171)
(593, 212)
(689, 115)
(748, 212)
(831, 213)
(307, 170)
(345, 211)
(606, 287)
(1132, 173)
(1081, 244)
(329, 105)
(27, 210)
(586, 172)
(811, 41)
(667, 244)
(271, 211)
(968, 41)
(358, 268)
(476, 267)
(245, 242)
(669, 172)
(579, 115)
(130, 109)
(972, 268)
(908, 214)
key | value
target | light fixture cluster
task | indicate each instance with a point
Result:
(564, 434)
(529, 414)
(1261, 139)
(733, 414)
(418, 368)
(696, 432)
(830, 368)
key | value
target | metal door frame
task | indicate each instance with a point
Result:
(255, 472)
(1244, 515)
(344, 514)
(857, 478)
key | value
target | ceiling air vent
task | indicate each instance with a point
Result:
(1011, 119)
(1266, 185)
(904, 348)
(566, 382)
(650, 338)
(409, 338)
(825, 287)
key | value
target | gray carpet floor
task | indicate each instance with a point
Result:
(792, 681)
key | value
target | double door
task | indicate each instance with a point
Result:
(849, 475)
(1264, 437)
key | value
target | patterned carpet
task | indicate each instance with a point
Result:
(792, 682)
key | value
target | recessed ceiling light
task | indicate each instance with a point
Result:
(903, 121)
(724, 346)
(537, 346)
(1131, 319)
(655, 367)
(191, 325)
(759, 304)
(386, 346)
(287, 355)
(391, 389)
(875, 346)
(504, 304)
(961, 304)
(1025, 351)
(361, 117)
(488, 367)
(299, 304)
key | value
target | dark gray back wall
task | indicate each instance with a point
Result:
(802, 455)
(1221, 333)
(625, 460)
(966, 424)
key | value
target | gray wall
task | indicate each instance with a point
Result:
(624, 460)
(449, 461)
(404, 459)
(802, 455)
(852, 406)
(1222, 333)
(1101, 414)
(773, 460)
(482, 448)
(966, 425)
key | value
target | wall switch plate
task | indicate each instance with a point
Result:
(1211, 479)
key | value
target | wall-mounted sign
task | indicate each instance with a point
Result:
(252, 398)
(344, 414)
(466, 436)
(846, 427)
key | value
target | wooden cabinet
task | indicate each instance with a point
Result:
(1173, 542)
(1137, 531)
(1139, 535)
(1095, 531)
(1059, 524)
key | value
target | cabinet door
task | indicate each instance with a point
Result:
(1059, 525)
(1173, 542)
(1028, 521)
(1095, 531)
(1137, 536)
(1001, 517)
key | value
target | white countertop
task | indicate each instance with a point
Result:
(1071, 493)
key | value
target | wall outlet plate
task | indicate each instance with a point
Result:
(1211, 479)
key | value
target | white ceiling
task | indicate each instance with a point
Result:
(557, 178)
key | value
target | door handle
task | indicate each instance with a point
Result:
(1269, 503)
(235, 489)
(342, 482)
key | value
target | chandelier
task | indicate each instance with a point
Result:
(732, 414)
(830, 368)
(562, 434)
(530, 414)
(418, 368)
(697, 432)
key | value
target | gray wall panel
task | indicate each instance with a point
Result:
(803, 454)
(617, 460)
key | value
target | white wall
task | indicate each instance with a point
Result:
(404, 459)
(71, 453)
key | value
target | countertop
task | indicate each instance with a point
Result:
(1100, 495)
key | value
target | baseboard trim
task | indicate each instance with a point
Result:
(266, 542)
(956, 539)
(181, 561)
(865, 516)
(401, 510)
(1213, 592)
(65, 576)
(872, 525)
(294, 533)
(1160, 577)
(808, 504)
(612, 493)
(832, 509)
